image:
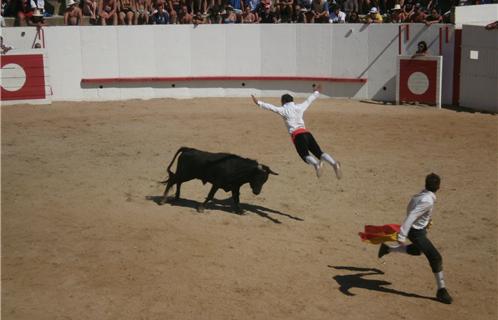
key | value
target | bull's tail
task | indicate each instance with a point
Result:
(170, 173)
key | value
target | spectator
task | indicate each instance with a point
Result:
(253, 4)
(421, 49)
(160, 15)
(184, 16)
(108, 12)
(397, 15)
(174, 10)
(90, 9)
(285, 10)
(197, 19)
(144, 9)
(299, 14)
(374, 16)
(320, 10)
(37, 19)
(126, 9)
(353, 17)
(336, 15)
(434, 17)
(72, 14)
(214, 13)
(417, 16)
(25, 9)
(351, 5)
(236, 5)
(230, 16)
(267, 16)
(248, 16)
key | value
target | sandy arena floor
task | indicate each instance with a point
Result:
(81, 238)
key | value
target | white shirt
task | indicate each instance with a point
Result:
(419, 213)
(291, 113)
(340, 18)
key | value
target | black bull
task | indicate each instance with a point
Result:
(223, 170)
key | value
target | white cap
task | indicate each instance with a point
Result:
(71, 2)
(373, 10)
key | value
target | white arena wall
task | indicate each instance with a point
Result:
(479, 69)
(345, 53)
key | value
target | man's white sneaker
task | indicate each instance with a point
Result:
(318, 169)
(337, 169)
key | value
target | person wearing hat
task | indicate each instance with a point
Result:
(36, 19)
(374, 16)
(417, 221)
(398, 15)
(306, 146)
(73, 13)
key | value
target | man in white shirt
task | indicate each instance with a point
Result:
(303, 140)
(419, 214)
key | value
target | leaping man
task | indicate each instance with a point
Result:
(303, 140)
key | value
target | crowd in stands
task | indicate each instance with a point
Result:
(135, 12)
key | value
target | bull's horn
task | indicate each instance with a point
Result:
(272, 172)
(260, 167)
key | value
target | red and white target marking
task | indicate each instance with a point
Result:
(419, 80)
(23, 77)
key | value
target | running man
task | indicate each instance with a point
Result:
(303, 139)
(419, 215)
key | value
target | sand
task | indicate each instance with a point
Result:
(83, 238)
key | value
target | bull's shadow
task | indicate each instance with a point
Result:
(357, 280)
(226, 205)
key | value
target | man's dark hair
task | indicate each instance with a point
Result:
(432, 182)
(286, 98)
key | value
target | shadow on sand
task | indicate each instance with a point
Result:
(225, 205)
(356, 280)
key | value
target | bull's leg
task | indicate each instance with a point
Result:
(178, 187)
(210, 196)
(169, 184)
(236, 201)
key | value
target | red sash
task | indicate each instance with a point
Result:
(297, 132)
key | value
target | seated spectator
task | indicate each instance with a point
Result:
(320, 10)
(434, 17)
(267, 16)
(36, 19)
(230, 16)
(374, 16)
(160, 15)
(299, 14)
(90, 9)
(397, 15)
(126, 12)
(25, 10)
(417, 15)
(336, 15)
(214, 13)
(72, 14)
(285, 10)
(351, 5)
(184, 16)
(108, 12)
(174, 7)
(198, 19)
(248, 16)
(144, 10)
(353, 17)
(421, 49)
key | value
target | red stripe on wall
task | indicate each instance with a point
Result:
(456, 67)
(218, 78)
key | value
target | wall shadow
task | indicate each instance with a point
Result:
(226, 205)
(357, 280)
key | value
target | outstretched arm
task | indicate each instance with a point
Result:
(312, 97)
(267, 106)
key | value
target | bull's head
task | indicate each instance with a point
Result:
(260, 177)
